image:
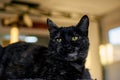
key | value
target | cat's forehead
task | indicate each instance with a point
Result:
(67, 29)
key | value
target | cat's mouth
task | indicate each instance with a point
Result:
(75, 56)
(72, 56)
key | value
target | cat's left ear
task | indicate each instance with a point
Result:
(51, 26)
(83, 23)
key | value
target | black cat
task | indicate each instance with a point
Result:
(1, 53)
(64, 59)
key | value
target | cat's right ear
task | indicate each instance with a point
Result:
(83, 23)
(51, 25)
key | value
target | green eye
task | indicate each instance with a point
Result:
(59, 40)
(74, 38)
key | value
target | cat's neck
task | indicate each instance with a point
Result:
(79, 65)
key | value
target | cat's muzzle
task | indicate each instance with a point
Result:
(72, 56)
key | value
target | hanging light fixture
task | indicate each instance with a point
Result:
(15, 23)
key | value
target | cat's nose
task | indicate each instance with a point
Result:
(67, 47)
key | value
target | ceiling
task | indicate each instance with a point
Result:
(93, 7)
(63, 9)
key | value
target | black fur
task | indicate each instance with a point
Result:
(64, 59)
(1, 51)
(1, 54)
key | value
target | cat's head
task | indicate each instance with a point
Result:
(69, 43)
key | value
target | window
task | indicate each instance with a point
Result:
(114, 36)
(42, 40)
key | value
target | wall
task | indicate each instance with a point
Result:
(93, 61)
(109, 21)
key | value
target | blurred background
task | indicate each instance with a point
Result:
(25, 20)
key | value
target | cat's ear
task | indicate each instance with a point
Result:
(83, 23)
(51, 25)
